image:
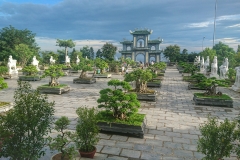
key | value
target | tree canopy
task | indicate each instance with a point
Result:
(108, 51)
(172, 52)
(66, 44)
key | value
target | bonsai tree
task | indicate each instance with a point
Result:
(101, 64)
(231, 74)
(198, 77)
(86, 130)
(84, 65)
(117, 100)
(3, 70)
(114, 66)
(3, 84)
(190, 68)
(54, 72)
(62, 140)
(156, 66)
(141, 77)
(216, 139)
(25, 126)
(30, 70)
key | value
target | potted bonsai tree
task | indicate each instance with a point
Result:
(23, 128)
(156, 80)
(30, 74)
(86, 136)
(4, 72)
(120, 114)
(222, 135)
(84, 65)
(102, 65)
(54, 72)
(141, 77)
(61, 142)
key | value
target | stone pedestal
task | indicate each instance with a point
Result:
(235, 88)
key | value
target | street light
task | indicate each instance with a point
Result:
(202, 43)
(214, 22)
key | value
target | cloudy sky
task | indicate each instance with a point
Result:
(95, 22)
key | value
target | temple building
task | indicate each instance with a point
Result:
(141, 44)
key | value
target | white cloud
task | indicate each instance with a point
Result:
(199, 25)
(234, 26)
(229, 17)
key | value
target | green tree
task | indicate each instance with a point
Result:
(66, 44)
(99, 54)
(109, 51)
(54, 72)
(11, 37)
(25, 126)
(172, 52)
(74, 55)
(23, 53)
(208, 52)
(91, 53)
(85, 52)
(101, 64)
(84, 65)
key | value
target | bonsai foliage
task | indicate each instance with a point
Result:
(3, 84)
(62, 140)
(86, 129)
(84, 65)
(30, 70)
(122, 104)
(26, 125)
(156, 66)
(54, 72)
(206, 83)
(216, 140)
(3, 70)
(190, 68)
(198, 77)
(100, 63)
(231, 74)
(141, 77)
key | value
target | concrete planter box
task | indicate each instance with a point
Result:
(213, 102)
(153, 84)
(147, 96)
(102, 75)
(52, 90)
(84, 80)
(192, 86)
(123, 129)
(29, 78)
(6, 107)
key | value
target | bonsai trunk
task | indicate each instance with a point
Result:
(141, 86)
(53, 82)
(83, 74)
(116, 69)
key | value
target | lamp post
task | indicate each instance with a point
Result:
(214, 22)
(202, 43)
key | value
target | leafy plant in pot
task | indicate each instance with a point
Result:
(86, 136)
(62, 141)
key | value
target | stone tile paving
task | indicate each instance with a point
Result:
(172, 121)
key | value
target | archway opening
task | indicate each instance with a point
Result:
(140, 43)
(152, 59)
(153, 48)
(128, 48)
(140, 58)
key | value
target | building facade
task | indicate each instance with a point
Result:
(141, 44)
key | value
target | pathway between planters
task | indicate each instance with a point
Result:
(172, 121)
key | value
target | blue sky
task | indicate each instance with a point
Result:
(95, 22)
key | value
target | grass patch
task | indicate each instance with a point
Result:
(223, 96)
(2, 104)
(47, 86)
(134, 119)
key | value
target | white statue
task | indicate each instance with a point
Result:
(35, 62)
(52, 61)
(67, 59)
(202, 67)
(197, 60)
(86, 57)
(214, 68)
(78, 60)
(236, 86)
(223, 69)
(206, 64)
(12, 66)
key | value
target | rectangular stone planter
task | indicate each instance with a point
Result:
(102, 75)
(84, 81)
(52, 90)
(146, 96)
(29, 78)
(123, 129)
(153, 84)
(213, 102)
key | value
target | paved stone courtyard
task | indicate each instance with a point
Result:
(172, 121)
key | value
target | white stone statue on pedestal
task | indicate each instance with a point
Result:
(52, 61)
(197, 60)
(86, 57)
(206, 64)
(223, 69)
(12, 66)
(78, 60)
(202, 67)
(67, 61)
(214, 68)
(236, 86)
(35, 62)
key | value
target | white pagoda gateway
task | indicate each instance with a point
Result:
(142, 45)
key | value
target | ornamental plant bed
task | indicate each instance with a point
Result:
(154, 83)
(216, 100)
(104, 75)
(62, 88)
(84, 80)
(29, 78)
(134, 126)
